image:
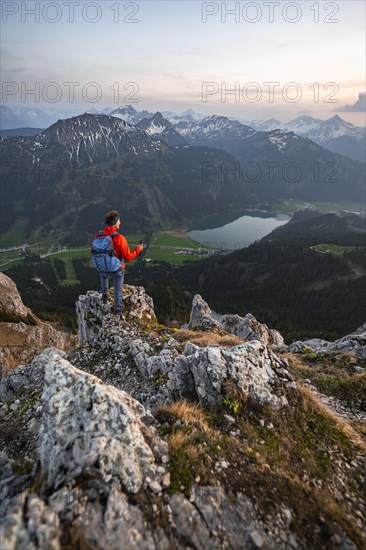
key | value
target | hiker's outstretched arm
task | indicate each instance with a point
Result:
(124, 250)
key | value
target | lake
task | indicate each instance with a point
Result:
(234, 231)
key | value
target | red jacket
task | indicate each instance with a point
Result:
(121, 248)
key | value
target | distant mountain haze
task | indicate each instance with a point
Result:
(335, 134)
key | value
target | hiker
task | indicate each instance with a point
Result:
(110, 260)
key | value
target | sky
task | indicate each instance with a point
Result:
(282, 59)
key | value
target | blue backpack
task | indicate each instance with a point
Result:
(103, 255)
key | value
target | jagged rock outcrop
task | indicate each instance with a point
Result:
(202, 316)
(27, 376)
(92, 461)
(247, 328)
(252, 367)
(11, 303)
(86, 424)
(93, 432)
(194, 373)
(22, 334)
(200, 373)
(98, 517)
(90, 311)
(211, 511)
(354, 343)
(97, 447)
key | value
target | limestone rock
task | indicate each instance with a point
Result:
(27, 376)
(189, 525)
(30, 525)
(201, 315)
(11, 302)
(354, 343)
(148, 363)
(253, 368)
(99, 467)
(181, 382)
(198, 523)
(247, 328)
(10, 484)
(91, 312)
(139, 351)
(86, 424)
(22, 334)
(198, 374)
(121, 526)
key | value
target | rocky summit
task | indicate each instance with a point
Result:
(151, 437)
(23, 334)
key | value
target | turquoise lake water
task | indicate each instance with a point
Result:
(227, 233)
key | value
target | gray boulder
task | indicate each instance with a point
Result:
(89, 425)
(209, 512)
(99, 518)
(30, 525)
(199, 373)
(354, 343)
(149, 363)
(26, 376)
(254, 369)
(247, 328)
(201, 316)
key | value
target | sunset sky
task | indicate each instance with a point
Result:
(170, 52)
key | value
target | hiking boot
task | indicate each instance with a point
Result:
(119, 311)
(105, 298)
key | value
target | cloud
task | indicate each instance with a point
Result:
(358, 107)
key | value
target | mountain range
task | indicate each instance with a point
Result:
(79, 167)
(274, 164)
(162, 172)
(335, 134)
(18, 117)
(161, 128)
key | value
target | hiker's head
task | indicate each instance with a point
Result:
(112, 218)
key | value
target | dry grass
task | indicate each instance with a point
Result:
(297, 457)
(179, 441)
(332, 376)
(187, 413)
(203, 339)
(311, 401)
(297, 462)
(231, 390)
(194, 444)
(293, 360)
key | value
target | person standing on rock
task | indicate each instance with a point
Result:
(122, 252)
